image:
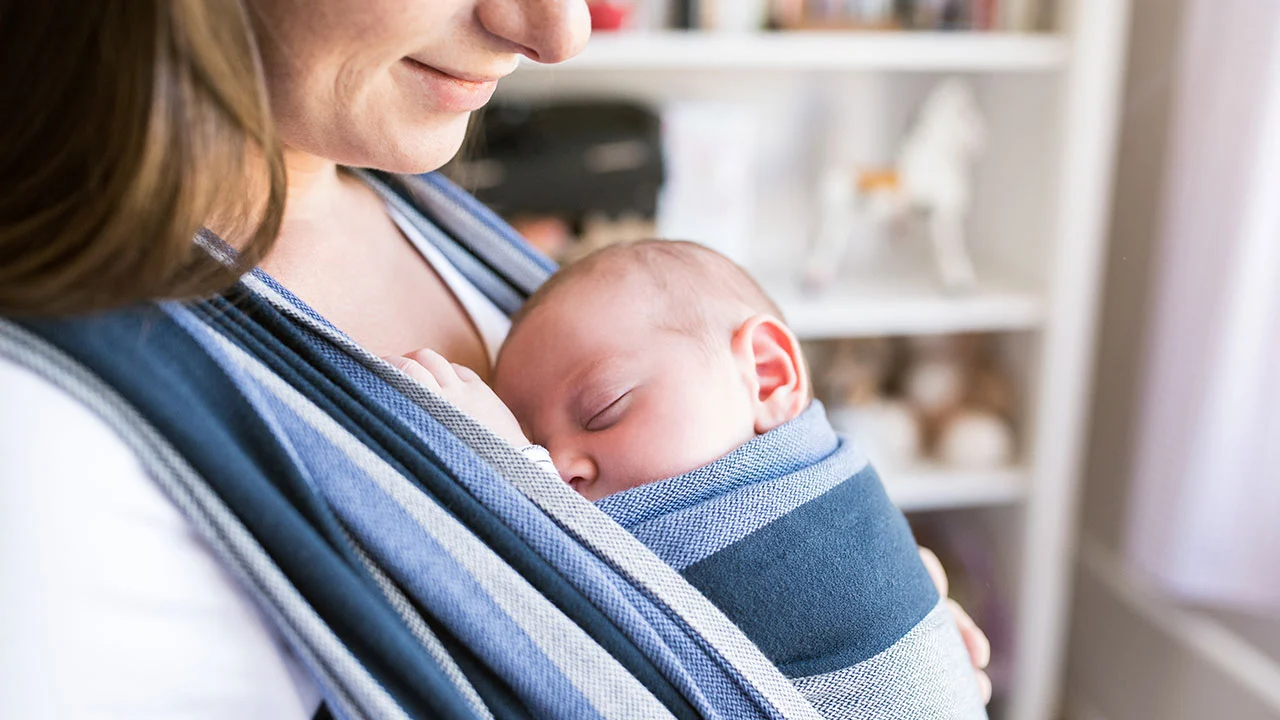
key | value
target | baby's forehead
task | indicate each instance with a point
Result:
(641, 299)
(651, 286)
(584, 311)
(610, 309)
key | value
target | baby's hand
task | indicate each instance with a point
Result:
(462, 387)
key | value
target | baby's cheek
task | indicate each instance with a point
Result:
(673, 443)
(713, 427)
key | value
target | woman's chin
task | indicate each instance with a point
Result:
(424, 148)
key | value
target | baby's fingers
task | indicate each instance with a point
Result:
(466, 374)
(415, 370)
(437, 365)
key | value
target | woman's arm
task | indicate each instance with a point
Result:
(110, 605)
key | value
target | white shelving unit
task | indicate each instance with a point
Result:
(932, 487)
(924, 51)
(1037, 232)
(905, 307)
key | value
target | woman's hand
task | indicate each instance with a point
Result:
(461, 386)
(975, 641)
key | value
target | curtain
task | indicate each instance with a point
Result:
(1204, 509)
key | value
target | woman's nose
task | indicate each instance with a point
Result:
(574, 467)
(549, 31)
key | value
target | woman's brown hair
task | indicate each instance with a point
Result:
(127, 126)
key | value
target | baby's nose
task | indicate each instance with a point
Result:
(575, 468)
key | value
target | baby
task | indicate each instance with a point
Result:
(663, 384)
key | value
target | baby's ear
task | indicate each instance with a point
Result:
(774, 368)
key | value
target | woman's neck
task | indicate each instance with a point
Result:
(314, 191)
(341, 252)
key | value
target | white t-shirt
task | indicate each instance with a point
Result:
(110, 605)
(492, 324)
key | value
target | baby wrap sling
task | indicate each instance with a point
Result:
(794, 538)
(417, 565)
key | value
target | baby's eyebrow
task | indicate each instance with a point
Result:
(587, 381)
(591, 370)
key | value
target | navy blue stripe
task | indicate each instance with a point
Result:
(500, 290)
(828, 585)
(490, 219)
(482, 248)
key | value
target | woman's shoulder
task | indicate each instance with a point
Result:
(41, 424)
(117, 607)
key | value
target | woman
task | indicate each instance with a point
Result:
(173, 546)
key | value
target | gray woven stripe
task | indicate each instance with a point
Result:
(592, 671)
(585, 521)
(509, 261)
(926, 675)
(352, 692)
(486, 280)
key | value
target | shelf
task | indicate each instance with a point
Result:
(932, 487)
(903, 51)
(871, 308)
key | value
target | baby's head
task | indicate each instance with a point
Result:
(647, 360)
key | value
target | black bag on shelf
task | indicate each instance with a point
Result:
(568, 158)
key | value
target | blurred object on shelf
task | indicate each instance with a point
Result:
(575, 176)
(983, 15)
(934, 385)
(549, 168)
(786, 13)
(567, 242)
(975, 440)
(852, 376)
(927, 192)
(887, 430)
(971, 562)
(609, 15)
(732, 15)
(551, 234)
(906, 14)
(1024, 15)
(964, 401)
(835, 15)
(939, 398)
(856, 372)
(600, 231)
(937, 14)
(602, 156)
(710, 152)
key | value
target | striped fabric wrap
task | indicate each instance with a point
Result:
(794, 538)
(416, 564)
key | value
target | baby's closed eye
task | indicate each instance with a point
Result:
(608, 415)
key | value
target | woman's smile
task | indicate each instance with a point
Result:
(450, 90)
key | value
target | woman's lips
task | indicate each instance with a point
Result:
(450, 92)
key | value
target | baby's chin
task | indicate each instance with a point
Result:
(602, 489)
